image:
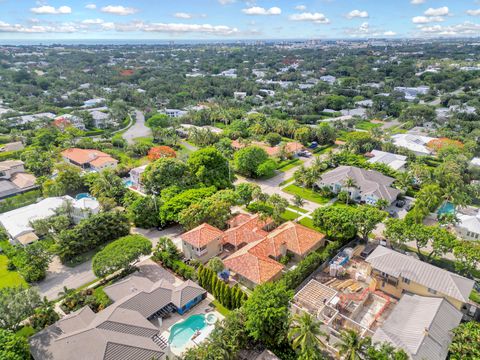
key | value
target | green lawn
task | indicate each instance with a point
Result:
(306, 194)
(288, 164)
(9, 278)
(298, 209)
(475, 296)
(286, 181)
(220, 308)
(308, 223)
(26, 331)
(366, 125)
(290, 215)
(323, 149)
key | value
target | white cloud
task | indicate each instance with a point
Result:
(357, 14)
(119, 10)
(300, 7)
(95, 25)
(317, 18)
(426, 19)
(417, 2)
(473, 12)
(442, 11)
(366, 31)
(257, 10)
(464, 29)
(91, 6)
(226, 2)
(183, 15)
(389, 33)
(49, 10)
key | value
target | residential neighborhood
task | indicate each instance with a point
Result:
(307, 195)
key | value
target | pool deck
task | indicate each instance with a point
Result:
(202, 307)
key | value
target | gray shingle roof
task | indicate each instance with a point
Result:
(369, 182)
(399, 265)
(119, 332)
(421, 326)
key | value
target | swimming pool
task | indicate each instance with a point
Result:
(128, 183)
(182, 332)
(83, 196)
(446, 208)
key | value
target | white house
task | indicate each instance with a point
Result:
(369, 186)
(17, 223)
(468, 226)
(328, 79)
(411, 93)
(395, 161)
(136, 177)
(475, 161)
(239, 95)
(174, 113)
(415, 143)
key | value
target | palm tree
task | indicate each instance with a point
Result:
(298, 201)
(352, 346)
(349, 184)
(305, 333)
(382, 204)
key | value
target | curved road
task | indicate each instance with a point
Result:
(139, 129)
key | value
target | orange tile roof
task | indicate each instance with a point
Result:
(238, 219)
(249, 229)
(247, 263)
(298, 239)
(86, 156)
(254, 261)
(201, 235)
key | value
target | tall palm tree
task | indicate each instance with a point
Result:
(349, 184)
(352, 346)
(305, 333)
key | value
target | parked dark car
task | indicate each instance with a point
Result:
(368, 250)
(400, 203)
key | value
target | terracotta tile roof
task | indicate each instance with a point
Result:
(100, 161)
(201, 235)
(86, 156)
(23, 180)
(61, 123)
(298, 239)
(238, 219)
(247, 263)
(254, 261)
(249, 229)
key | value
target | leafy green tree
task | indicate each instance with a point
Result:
(210, 168)
(158, 121)
(68, 181)
(304, 135)
(352, 346)
(143, 211)
(366, 219)
(267, 168)
(465, 343)
(32, 262)
(337, 222)
(325, 134)
(90, 233)
(246, 192)
(248, 159)
(166, 172)
(17, 304)
(38, 161)
(44, 316)
(120, 254)
(12, 346)
(467, 256)
(172, 207)
(216, 264)
(278, 205)
(273, 139)
(305, 334)
(298, 201)
(267, 314)
(106, 185)
(418, 114)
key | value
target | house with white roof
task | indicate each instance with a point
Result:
(421, 326)
(468, 226)
(395, 161)
(475, 161)
(415, 143)
(328, 79)
(17, 223)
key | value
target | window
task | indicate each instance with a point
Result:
(405, 280)
(431, 291)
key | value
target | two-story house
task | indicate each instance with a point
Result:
(396, 273)
(14, 180)
(202, 243)
(89, 159)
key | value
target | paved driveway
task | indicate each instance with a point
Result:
(139, 129)
(59, 275)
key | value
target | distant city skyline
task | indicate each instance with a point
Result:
(31, 20)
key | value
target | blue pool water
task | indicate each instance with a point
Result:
(128, 183)
(182, 332)
(446, 208)
(83, 196)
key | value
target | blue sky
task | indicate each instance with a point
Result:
(237, 19)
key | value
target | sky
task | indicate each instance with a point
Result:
(237, 19)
